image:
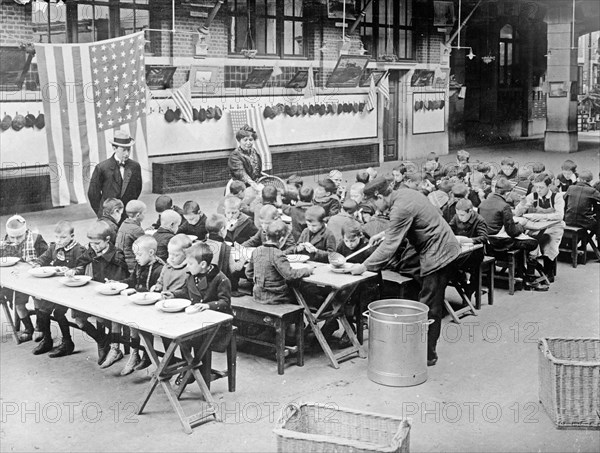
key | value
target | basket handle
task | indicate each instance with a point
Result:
(402, 432)
(288, 412)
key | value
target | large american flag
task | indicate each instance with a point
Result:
(88, 91)
(372, 96)
(253, 117)
(384, 90)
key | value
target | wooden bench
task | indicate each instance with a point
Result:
(488, 269)
(572, 236)
(513, 260)
(278, 317)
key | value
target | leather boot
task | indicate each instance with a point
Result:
(27, 333)
(66, 347)
(145, 361)
(43, 322)
(550, 269)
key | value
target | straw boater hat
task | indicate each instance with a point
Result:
(16, 226)
(122, 140)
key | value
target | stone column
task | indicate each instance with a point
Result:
(561, 118)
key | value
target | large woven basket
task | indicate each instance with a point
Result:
(569, 374)
(312, 427)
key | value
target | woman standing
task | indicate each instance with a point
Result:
(245, 163)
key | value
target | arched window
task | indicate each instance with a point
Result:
(508, 56)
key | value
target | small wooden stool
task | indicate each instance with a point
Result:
(510, 259)
(572, 236)
(278, 317)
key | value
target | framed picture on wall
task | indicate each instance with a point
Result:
(429, 112)
(365, 78)
(203, 79)
(299, 80)
(159, 77)
(443, 14)
(258, 78)
(557, 90)
(422, 78)
(348, 71)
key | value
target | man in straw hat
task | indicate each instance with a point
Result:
(117, 177)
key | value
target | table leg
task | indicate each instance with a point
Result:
(356, 348)
(477, 278)
(312, 321)
(299, 325)
(9, 319)
(165, 372)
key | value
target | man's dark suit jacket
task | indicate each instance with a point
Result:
(106, 182)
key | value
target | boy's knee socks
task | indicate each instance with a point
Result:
(27, 324)
(94, 333)
(65, 328)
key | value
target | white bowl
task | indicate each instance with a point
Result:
(42, 272)
(286, 218)
(298, 258)
(173, 305)
(6, 261)
(78, 280)
(299, 265)
(111, 289)
(144, 298)
(192, 237)
(344, 269)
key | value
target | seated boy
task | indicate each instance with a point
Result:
(194, 222)
(102, 260)
(498, 217)
(173, 275)
(543, 204)
(144, 276)
(567, 176)
(338, 178)
(353, 240)
(270, 270)
(267, 215)
(296, 181)
(240, 227)
(268, 197)
(130, 230)
(169, 224)
(398, 175)
(112, 211)
(459, 191)
(337, 221)
(21, 242)
(509, 170)
(206, 286)
(298, 211)
(582, 204)
(64, 253)
(362, 176)
(326, 197)
(316, 239)
(162, 203)
(230, 264)
(469, 228)
(236, 189)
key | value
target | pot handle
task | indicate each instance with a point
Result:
(366, 314)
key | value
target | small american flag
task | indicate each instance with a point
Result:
(183, 99)
(372, 96)
(253, 117)
(384, 89)
(309, 90)
(88, 91)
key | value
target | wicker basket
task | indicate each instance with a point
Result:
(324, 428)
(569, 373)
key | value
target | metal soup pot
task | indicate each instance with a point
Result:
(398, 342)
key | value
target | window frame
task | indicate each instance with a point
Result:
(503, 66)
(280, 20)
(398, 27)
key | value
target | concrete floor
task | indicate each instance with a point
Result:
(481, 396)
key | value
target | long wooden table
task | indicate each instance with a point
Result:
(323, 276)
(185, 331)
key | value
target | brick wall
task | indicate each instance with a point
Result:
(15, 24)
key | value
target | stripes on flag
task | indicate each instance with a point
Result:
(253, 117)
(372, 96)
(309, 90)
(83, 105)
(384, 90)
(183, 99)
